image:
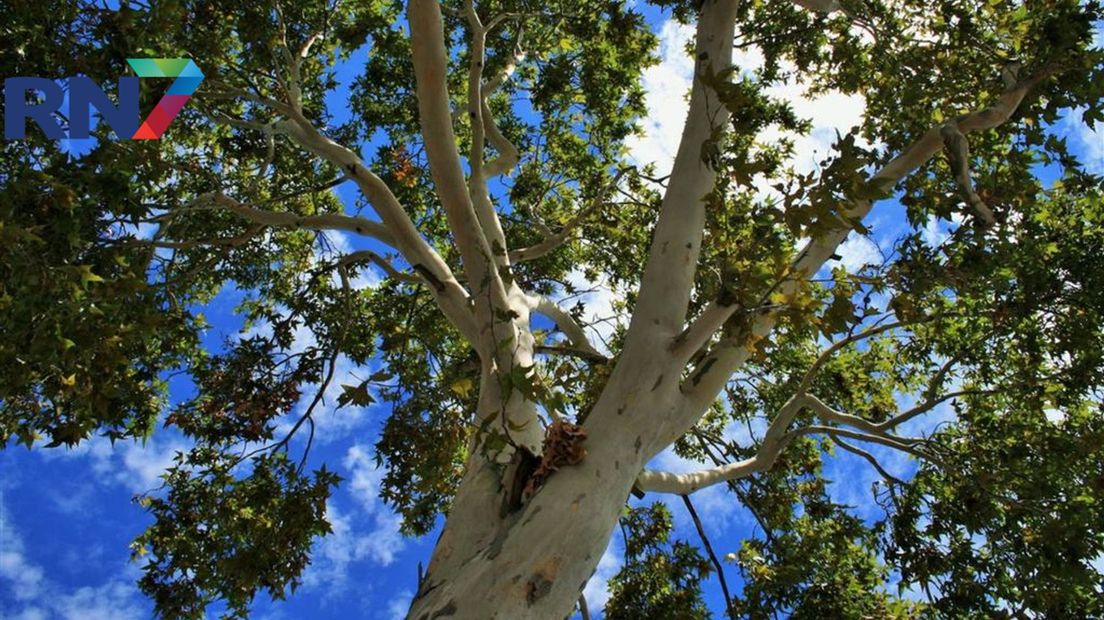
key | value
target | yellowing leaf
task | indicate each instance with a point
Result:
(87, 276)
(462, 387)
(137, 550)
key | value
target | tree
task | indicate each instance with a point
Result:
(487, 146)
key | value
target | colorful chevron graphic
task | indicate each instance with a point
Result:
(188, 77)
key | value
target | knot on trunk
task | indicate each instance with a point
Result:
(561, 447)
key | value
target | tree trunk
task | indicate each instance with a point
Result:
(534, 562)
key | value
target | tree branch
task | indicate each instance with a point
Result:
(226, 242)
(928, 405)
(712, 556)
(555, 240)
(717, 366)
(567, 324)
(904, 445)
(851, 339)
(828, 414)
(396, 229)
(673, 256)
(701, 330)
(508, 155)
(387, 267)
(773, 442)
(430, 58)
(585, 354)
(958, 155)
(778, 436)
(287, 219)
(868, 457)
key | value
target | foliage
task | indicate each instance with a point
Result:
(220, 537)
(108, 258)
(661, 578)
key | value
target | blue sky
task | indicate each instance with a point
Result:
(66, 516)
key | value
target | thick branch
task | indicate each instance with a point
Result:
(451, 297)
(958, 155)
(701, 330)
(586, 354)
(652, 481)
(828, 414)
(321, 222)
(226, 242)
(475, 91)
(481, 123)
(472, 234)
(773, 442)
(778, 436)
(902, 444)
(676, 246)
(507, 71)
(508, 155)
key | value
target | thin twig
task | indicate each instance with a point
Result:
(712, 555)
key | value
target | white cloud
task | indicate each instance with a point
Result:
(743, 435)
(830, 113)
(369, 534)
(131, 464)
(857, 252)
(24, 579)
(398, 606)
(850, 477)
(597, 591)
(366, 277)
(330, 423)
(666, 85)
(40, 599)
(115, 600)
(668, 82)
(668, 460)
(600, 318)
(143, 465)
(365, 478)
(1091, 140)
(935, 232)
(1087, 141)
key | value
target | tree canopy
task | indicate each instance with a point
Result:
(487, 149)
